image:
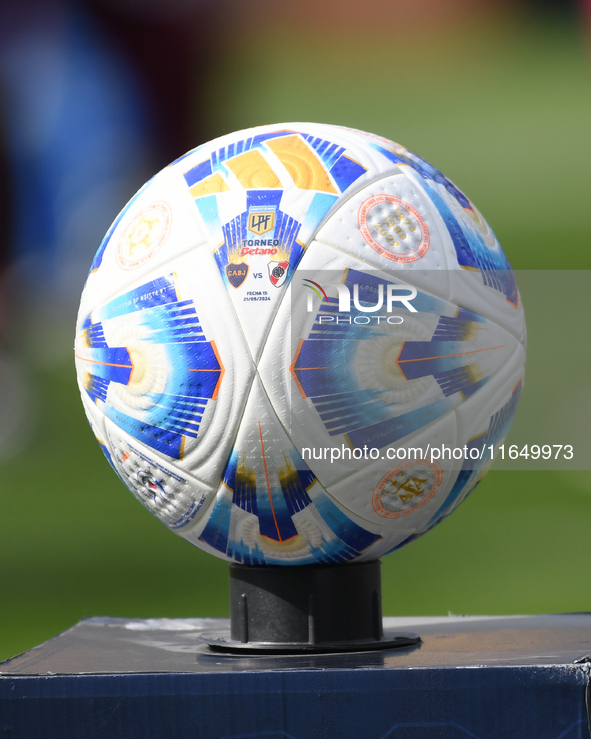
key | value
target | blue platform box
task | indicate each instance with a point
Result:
(523, 677)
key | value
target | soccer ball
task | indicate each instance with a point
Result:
(300, 344)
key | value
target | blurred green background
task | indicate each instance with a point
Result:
(500, 101)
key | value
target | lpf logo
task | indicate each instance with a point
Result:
(261, 222)
(393, 293)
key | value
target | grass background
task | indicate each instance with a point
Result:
(504, 110)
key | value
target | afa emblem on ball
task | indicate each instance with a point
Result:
(287, 335)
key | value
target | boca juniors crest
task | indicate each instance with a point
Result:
(236, 273)
(278, 272)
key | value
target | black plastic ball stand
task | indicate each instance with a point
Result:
(304, 609)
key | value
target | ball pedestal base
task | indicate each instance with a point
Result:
(313, 608)
(473, 676)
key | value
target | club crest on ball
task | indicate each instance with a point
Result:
(278, 272)
(236, 273)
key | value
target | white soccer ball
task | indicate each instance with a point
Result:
(300, 344)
